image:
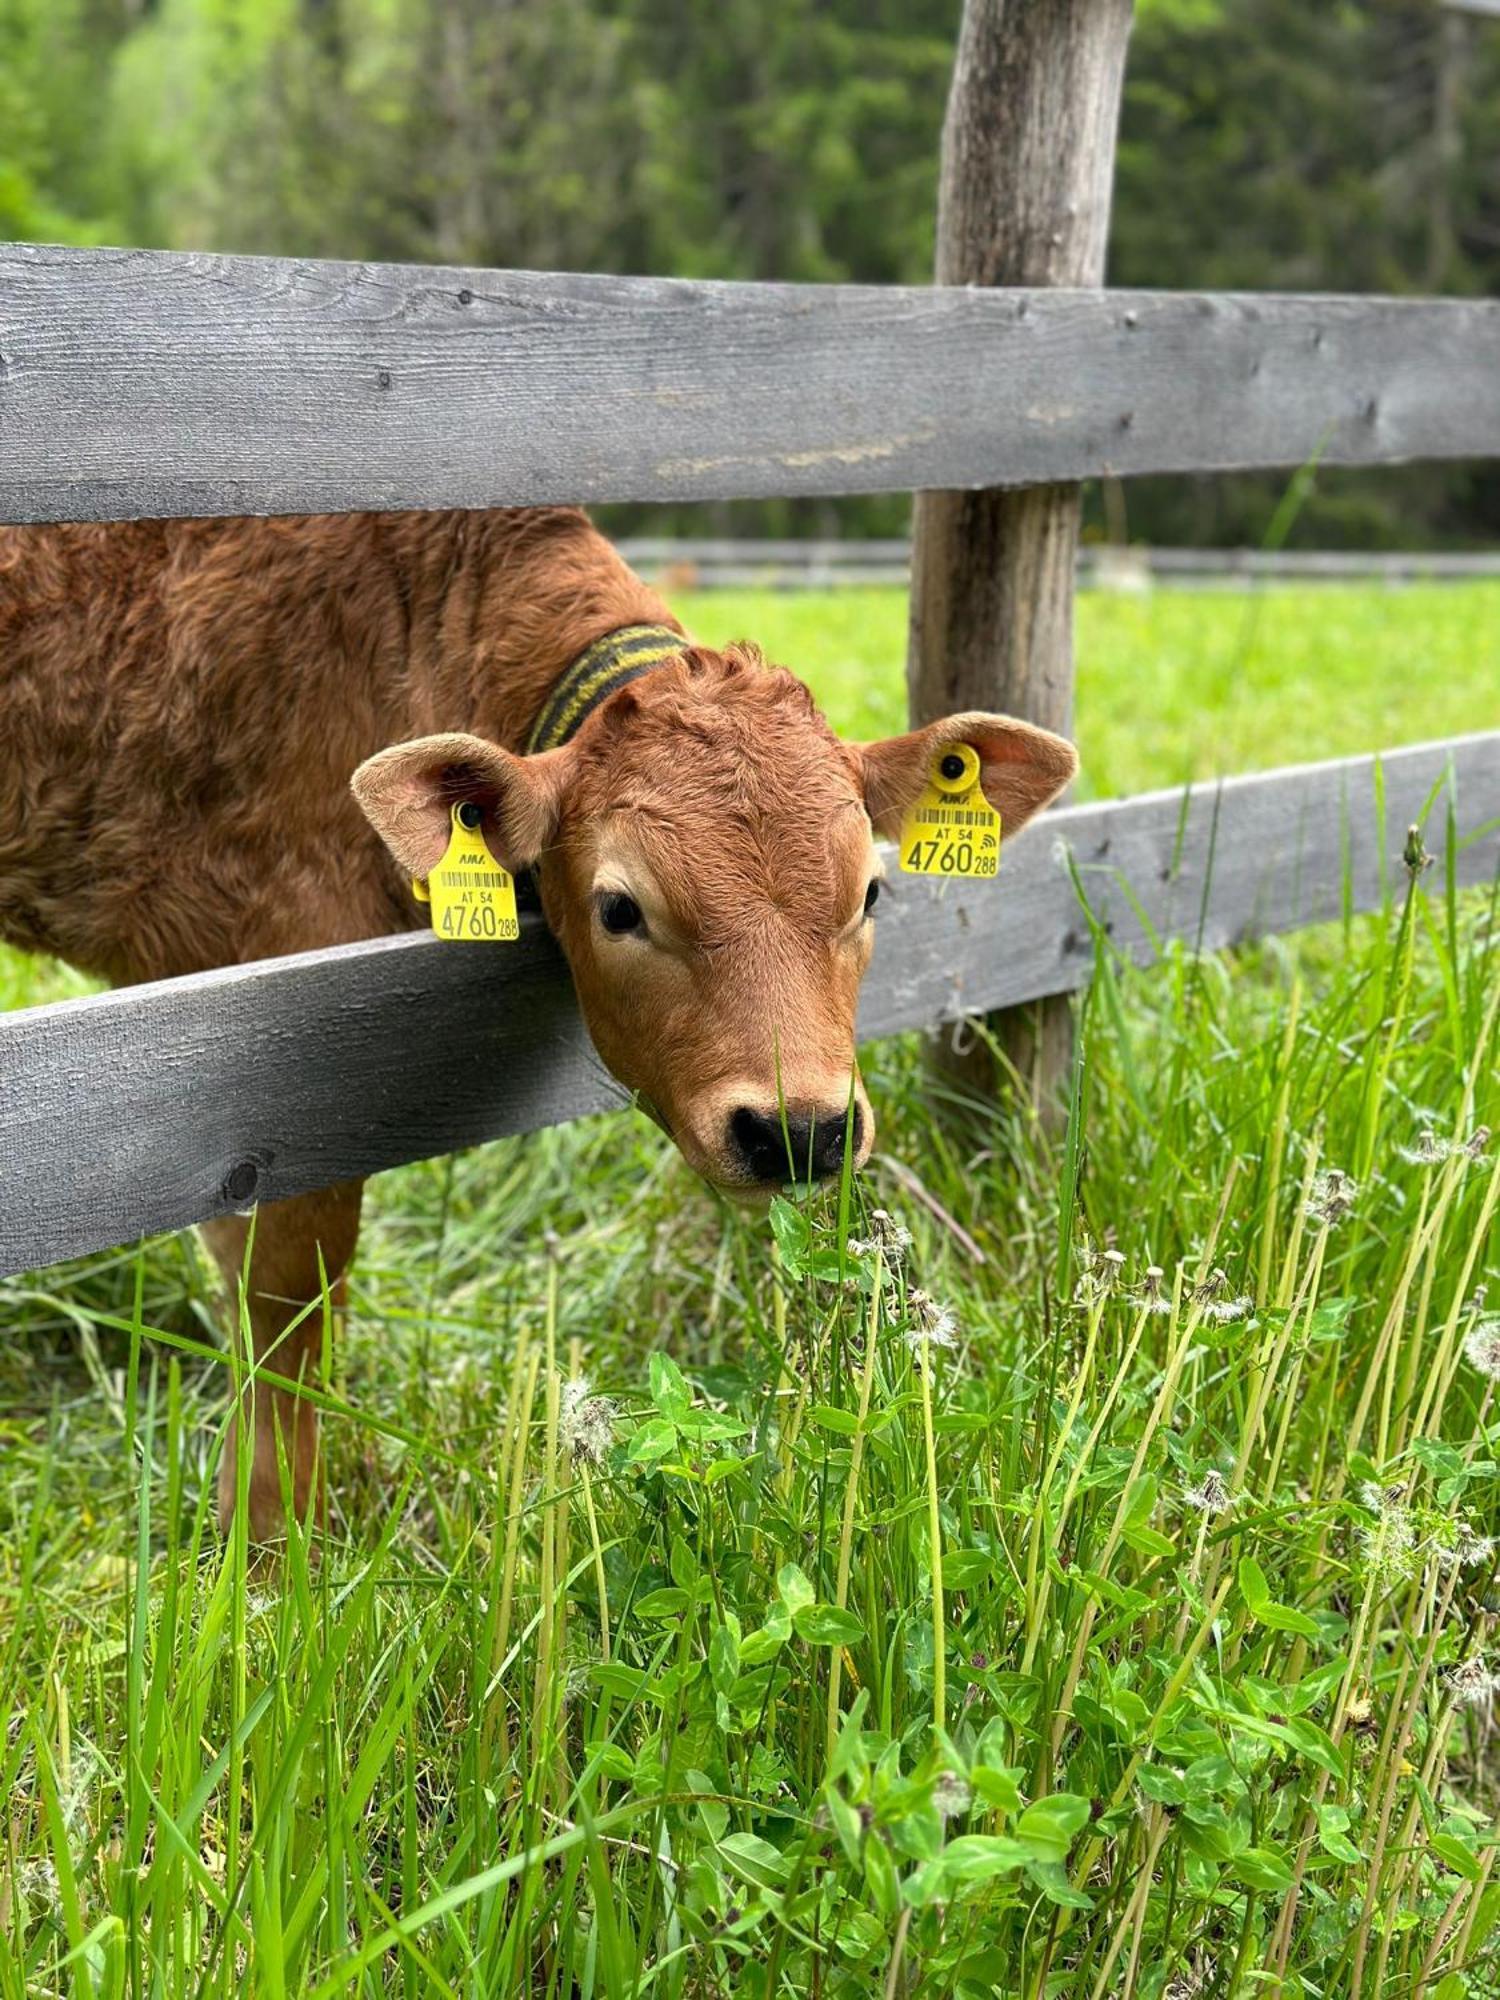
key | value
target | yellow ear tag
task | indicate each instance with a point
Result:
(952, 829)
(473, 899)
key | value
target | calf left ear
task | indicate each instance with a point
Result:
(1022, 768)
(409, 791)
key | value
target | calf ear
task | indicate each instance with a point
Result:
(408, 792)
(1022, 768)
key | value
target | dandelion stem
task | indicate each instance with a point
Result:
(851, 1494)
(1036, 1601)
(545, 1685)
(1277, 1152)
(524, 1400)
(600, 1583)
(935, 1536)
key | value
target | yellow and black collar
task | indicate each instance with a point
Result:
(610, 663)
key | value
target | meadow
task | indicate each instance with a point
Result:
(1055, 1565)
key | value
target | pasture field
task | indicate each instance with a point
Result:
(1050, 1567)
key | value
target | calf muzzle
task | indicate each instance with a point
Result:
(772, 1147)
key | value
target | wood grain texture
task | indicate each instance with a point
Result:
(148, 383)
(153, 1107)
(1024, 197)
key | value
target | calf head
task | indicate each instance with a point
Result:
(705, 852)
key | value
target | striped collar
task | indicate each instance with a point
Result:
(610, 663)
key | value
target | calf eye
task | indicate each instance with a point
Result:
(872, 896)
(619, 913)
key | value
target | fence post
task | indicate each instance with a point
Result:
(1027, 170)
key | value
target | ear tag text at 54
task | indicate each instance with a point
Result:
(952, 830)
(472, 898)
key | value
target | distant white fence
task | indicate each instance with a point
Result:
(709, 564)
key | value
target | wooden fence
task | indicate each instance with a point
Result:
(146, 384)
(143, 383)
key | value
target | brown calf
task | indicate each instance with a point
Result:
(182, 705)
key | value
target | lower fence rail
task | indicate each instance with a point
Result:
(128, 1113)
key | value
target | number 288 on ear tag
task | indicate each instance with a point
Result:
(952, 829)
(472, 898)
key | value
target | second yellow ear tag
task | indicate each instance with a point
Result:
(952, 829)
(473, 898)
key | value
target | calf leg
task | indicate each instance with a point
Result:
(283, 1280)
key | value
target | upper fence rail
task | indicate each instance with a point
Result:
(152, 383)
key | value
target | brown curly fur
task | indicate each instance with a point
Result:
(182, 705)
(182, 702)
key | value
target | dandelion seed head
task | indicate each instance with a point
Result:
(1388, 1547)
(1428, 1151)
(950, 1796)
(1331, 1196)
(1477, 1141)
(39, 1886)
(1473, 1682)
(931, 1325)
(1210, 1495)
(1414, 853)
(1153, 1290)
(892, 1236)
(1482, 1346)
(1463, 1547)
(1223, 1311)
(585, 1422)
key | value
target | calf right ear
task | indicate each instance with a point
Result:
(409, 791)
(1022, 768)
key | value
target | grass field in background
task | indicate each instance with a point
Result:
(1094, 1595)
(1177, 685)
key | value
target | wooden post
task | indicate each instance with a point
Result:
(1027, 171)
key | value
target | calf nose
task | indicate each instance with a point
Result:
(795, 1147)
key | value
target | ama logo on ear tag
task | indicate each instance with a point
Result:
(952, 830)
(472, 898)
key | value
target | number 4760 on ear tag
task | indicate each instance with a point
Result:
(473, 899)
(952, 830)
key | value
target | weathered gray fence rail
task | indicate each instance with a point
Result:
(717, 564)
(139, 383)
(157, 1106)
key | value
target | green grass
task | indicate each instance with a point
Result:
(1178, 685)
(1138, 1642)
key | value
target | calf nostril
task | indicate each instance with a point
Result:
(773, 1147)
(827, 1142)
(760, 1144)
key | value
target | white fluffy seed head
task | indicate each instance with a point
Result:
(1473, 1682)
(1482, 1346)
(585, 1422)
(1331, 1196)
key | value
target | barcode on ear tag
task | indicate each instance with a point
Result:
(952, 830)
(471, 897)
